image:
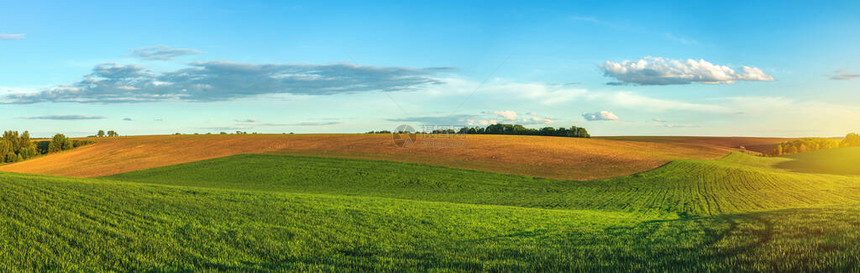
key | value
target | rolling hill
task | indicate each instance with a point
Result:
(844, 161)
(552, 157)
(736, 183)
(287, 213)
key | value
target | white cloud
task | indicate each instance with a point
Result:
(600, 116)
(8, 36)
(681, 39)
(844, 75)
(536, 120)
(488, 122)
(163, 53)
(220, 81)
(661, 71)
(508, 115)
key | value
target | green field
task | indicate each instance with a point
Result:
(286, 213)
(845, 161)
(737, 183)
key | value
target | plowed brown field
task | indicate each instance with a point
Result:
(553, 157)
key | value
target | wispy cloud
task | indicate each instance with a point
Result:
(661, 71)
(484, 119)
(632, 100)
(438, 120)
(600, 116)
(666, 124)
(535, 121)
(218, 81)
(225, 128)
(65, 117)
(508, 115)
(843, 75)
(8, 36)
(313, 123)
(163, 53)
(681, 39)
(247, 120)
(591, 19)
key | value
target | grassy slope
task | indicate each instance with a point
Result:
(555, 157)
(70, 224)
(286, 213)
(753, 144)
(844, 161)
(734, 184)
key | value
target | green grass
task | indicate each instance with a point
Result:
(263, 213)
(65, 224)
(737, 183)
(843, 161)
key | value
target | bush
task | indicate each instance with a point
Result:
(805, 145)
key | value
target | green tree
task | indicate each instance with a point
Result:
(112, 133)
(850, 140)
(11, 157)
(57, 143)
(101, 133)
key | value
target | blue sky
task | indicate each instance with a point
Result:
(617, 68)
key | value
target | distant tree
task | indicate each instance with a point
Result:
(68, 144)
(516, 129)
(57, 143)
(101, 133)
(112, 133)
(804, 145)
(850, 140)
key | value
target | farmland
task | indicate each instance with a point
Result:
(736, 183)
(269, 212)
(551, 157)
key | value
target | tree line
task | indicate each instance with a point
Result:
(516, 129)
(508, 129)
(815, 144)
(15, 147)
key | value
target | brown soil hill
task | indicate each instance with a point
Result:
(553, 157)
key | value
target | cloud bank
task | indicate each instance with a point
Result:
(600, 116)
(219, 81)
(163, 53)
(65, 117)
(661, 71)
(488, 117)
